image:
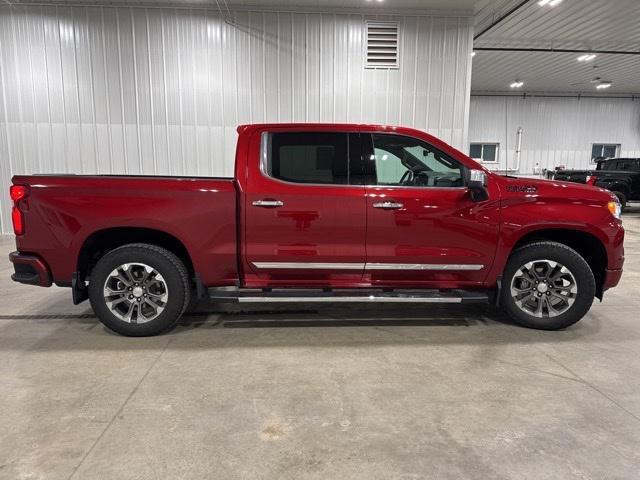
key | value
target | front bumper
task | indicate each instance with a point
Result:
(30, 269)
(611, 278)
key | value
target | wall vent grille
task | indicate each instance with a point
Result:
(382, 44)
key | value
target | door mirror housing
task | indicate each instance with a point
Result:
(477, 185)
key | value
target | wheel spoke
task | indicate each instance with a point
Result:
(135, 293)
(544, 288)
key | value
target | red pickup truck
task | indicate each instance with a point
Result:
(320, 213)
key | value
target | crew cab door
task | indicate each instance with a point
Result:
(423, 227)
(304, 218)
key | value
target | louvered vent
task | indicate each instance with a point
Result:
(382, 45)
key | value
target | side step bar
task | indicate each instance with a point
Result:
(243, 295)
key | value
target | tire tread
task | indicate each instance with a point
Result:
(175, 262)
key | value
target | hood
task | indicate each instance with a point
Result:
(539, 188)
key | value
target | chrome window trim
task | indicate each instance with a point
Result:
(418, 188)
(265, 147)
(368, 266)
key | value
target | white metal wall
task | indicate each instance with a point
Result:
(556, 131)
(161, 91)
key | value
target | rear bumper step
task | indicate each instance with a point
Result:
(30, 269)
(345, 296)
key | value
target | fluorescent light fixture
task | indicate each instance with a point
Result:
(551, 3)
(603, 85)
(587, 57)
(517, 84)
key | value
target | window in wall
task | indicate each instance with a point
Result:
(309, 157)
(604, 150)
(382, 45)
(485, 152)
(409, 162)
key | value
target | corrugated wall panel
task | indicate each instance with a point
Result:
(556, 131)
(161, 91)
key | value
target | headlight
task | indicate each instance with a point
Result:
(614, 208)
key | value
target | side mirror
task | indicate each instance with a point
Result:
(477, 185)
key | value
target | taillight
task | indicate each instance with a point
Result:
(18, 221)
(18, 193)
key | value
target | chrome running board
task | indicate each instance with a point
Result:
(242, 295)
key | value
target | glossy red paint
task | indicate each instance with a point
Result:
(317, 223)
(561, 206)
(65, 210)
(225, 234)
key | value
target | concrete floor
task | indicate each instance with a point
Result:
(336, 393)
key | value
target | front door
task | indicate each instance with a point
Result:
(304, 218)
(423, 228)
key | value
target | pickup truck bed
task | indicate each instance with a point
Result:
(70, 217)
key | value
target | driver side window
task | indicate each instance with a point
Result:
(406, 161)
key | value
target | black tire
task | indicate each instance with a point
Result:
(563, 255)
(167, 264)
(622, 198)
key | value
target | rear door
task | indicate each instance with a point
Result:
(423, 228)
(305, 212)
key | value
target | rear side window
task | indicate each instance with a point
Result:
(309, 157)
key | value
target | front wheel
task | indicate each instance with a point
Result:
(547, 285)
(139, 289)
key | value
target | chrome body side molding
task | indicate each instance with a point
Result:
(309, 265)
(367, 266)
(423, 266)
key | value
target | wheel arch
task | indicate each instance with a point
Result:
(103, 241)
(586, 244)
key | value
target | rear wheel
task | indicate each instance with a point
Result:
(547, 285)
(139, 289)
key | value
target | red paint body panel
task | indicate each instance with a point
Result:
(318, 223)
(64, 210)
(435, 226)
(225, 234)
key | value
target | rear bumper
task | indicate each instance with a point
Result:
(611, 278)
(30, 269)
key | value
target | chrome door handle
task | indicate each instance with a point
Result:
(268, 203)
(388, 205)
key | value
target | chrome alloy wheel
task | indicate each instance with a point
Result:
(135, 293)
(544, 288)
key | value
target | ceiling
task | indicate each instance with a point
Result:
(461, 6)
(612, 25)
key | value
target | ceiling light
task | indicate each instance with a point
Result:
(551, 3)
(603, 85)
(517, 84)
(587, 57)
